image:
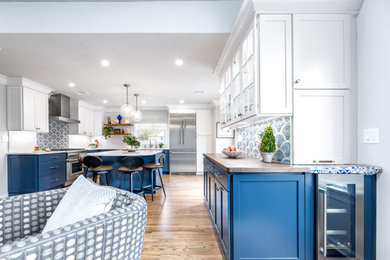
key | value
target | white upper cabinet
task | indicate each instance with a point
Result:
(27, 106)
(91, 119)
(322, 51)
(321, 126)
(275, 64)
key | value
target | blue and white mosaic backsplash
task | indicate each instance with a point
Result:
(57, 138)
(248, 138)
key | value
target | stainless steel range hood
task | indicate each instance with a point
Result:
(59, 109)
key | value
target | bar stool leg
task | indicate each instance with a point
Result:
(94, 177)
(131, 183)
(141, 181)
(152, 181)
(162, 183)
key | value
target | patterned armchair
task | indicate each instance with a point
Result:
(117, 234)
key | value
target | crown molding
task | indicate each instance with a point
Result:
(244, 19)
(3, 80)
(29, 84)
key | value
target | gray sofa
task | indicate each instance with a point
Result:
(117, 234)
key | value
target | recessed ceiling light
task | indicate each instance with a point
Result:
(181, 101)
(179, 62)
(105, 63)
(71, 84)
(83, 93)
(143, 101)
(199, 92)
(105, 101)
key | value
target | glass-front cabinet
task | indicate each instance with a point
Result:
(250, 89)
(340, 217)
(238, 99)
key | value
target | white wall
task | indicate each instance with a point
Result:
(119, 17)
(374, 106)
(3, 143)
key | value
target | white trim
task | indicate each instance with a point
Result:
(308, 6)
(29, 84)
(3, 80)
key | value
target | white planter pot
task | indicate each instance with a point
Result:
(267, 157)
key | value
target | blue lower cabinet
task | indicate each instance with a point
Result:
(32, 173)
(261, 215)
(269, 216)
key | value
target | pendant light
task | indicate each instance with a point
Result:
(127, 109)
(137, 114)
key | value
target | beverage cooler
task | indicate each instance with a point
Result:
(345, 217)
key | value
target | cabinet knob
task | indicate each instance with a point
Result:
(298, 81)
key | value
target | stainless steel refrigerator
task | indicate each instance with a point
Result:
(182, 153)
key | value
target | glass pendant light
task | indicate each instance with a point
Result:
(137, 114)
(127, 109)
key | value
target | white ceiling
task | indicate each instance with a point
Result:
(146, 61)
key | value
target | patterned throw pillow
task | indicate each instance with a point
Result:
(84, 199)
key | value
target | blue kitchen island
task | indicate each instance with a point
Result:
(280, 211)
(115, 157)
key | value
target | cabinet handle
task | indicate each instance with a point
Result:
(323, 161)
(54, 167)
(297, 81)
(323, 249)
(55, 180)
(54, 157)
(37, 128)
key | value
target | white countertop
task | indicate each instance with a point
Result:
(125, 153)
(35, 153)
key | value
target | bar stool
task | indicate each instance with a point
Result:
(95, 166)
(153, 168)
(131, 166)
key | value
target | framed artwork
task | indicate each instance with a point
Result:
(117, 131)
(224, 133)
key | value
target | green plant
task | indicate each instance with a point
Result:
(267, 143)
(161, 145)
(131, 140)
(107, 130)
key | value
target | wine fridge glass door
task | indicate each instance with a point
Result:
(340, 217)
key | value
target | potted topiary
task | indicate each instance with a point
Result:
(132, 142)
(267, 145)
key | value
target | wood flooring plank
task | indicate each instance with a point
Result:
(178, 227)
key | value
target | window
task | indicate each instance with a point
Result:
(151, 133)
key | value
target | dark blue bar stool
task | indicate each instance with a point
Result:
(155, 168)
(132, 166)
(96, 168)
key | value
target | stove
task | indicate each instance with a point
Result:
(73, 165)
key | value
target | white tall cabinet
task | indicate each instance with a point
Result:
(323, 111)
(27, 106)
(204, 136)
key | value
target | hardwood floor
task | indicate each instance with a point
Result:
(178, 227)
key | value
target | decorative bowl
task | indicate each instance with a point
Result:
(232, 154)
(130, 150)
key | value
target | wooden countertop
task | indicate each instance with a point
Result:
(250, 164)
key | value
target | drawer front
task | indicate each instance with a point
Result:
(52, 157)
(208, 165)
(222, 177)
(51, 167)
(51, 181)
